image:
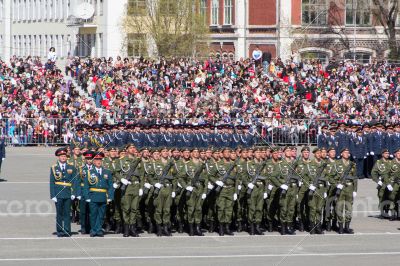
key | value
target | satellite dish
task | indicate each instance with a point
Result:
(84, 11)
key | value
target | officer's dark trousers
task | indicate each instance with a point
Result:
(63, 216)
(84, 215)
(97, 212)
(360, 166)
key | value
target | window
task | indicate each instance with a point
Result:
(358, 12)
(137, 7)
(167, 7)
(203, 8)
(137, 45)
(228, 8)
(101, 7)
(1, 10)
(314, 12)
(214, 12)
(316, 55)
(361, 57)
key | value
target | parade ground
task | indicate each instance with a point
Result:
(27, 225)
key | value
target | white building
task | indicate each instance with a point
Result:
(31, 27)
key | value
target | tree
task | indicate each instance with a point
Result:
(386, 12)
(173, 27)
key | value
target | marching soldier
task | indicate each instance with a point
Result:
(77, 161)
(273, 169)
(393, 185)
(98, 191)
(305, 171)
(330, 205)
(380, 174)
(241, 203)
(63, 188)
(359, 152)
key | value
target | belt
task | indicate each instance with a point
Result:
(321, 185)
(63, 184)
(293, 184)
(98, 190)
(136, 182)
(349, 183)
(259, 183)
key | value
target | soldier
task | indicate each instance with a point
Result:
(98, 191)
(179, 200)
(305, 171)
(393, 185)
(131, 178)
(377, 143)
(317, 193)
(241, 203)
(347, 187)
(211, 209)
(79, 139)
(63, 186)
(225, 179)
(322, 139)
(358, 148)
(330, 205)
(147, 199)
(380, 174)
(272, 167)
(256, 184)
(77, 161)
(83, 205)
(164, 192)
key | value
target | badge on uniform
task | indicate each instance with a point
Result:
(105, 176)
(69, 171)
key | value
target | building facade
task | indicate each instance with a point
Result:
(313, 28)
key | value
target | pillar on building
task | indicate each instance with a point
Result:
(114, 12)
(284, 26)
(7, 30)
(241, 32)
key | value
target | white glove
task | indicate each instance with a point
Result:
(284, 187)
(179, 185)
(365, 157)
(339, 186)
(270, 187)
(265, 195)
(210, 186)
(54, 199)
(115, 185)
(354, 157)
(367, 153)
(173, 194)
(3, 159)
(109, 200)
(147, 185)
(72, 197)
(325, 195)
(219, 183)
(158, 185)
(380, 183)
(79, 197)
(354, 194)
(88, 200)
(300, 183)
(312, 187)
(250, 185)
(124, 181)
(140, 192)
(239, 187)
(372, 153)
(389, 187)
(203, 196)
(391, 155)
(328, 183)
(235, 197)
(189, 188)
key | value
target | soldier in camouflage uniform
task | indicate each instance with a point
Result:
(393, 185)
(272, 167)
(303, 169)
(380, 173)
(241, 203)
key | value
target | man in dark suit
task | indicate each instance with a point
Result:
(2, 152)
(358, 150)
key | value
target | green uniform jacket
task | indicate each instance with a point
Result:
(63, 184)
(99, 187)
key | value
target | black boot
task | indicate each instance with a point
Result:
(328, 226)
(290, 229)
(139, 226)
(312, 229)
(347, 228)
(198, 230)
(151, 228)
(319, 230)
(118, 228)
(340, 231)
(239, 227)
(301, 226)
(132, 230)
(191, 231)
(159, 230)
(334, 225)
(270, 227)
(126, 230)
(283, 229)
(180, 227)
(221, 229)
(258, 230)
(393, 216)
(251, 229)
(166, 230)
(211, 228)
(227, 230)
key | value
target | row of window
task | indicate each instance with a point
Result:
(39, 45)
(46, 10)
(360, 57)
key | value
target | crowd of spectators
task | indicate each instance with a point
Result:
(40, 103)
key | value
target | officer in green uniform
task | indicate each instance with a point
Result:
(148, 177)
(330, 174)
(211, 201)
(393, 184)
(83, 205)
(77, 161)
(380, 173)
(317, 193)
(348, 191)
(272, 168)
(164, 192)
(179, 200)
(131, 190)
(98, 190)
(303, 169)
(225, 179)
(194, 185)
(63, 188)
(241, 203)
(255, 184)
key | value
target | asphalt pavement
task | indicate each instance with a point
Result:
(27, 224)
